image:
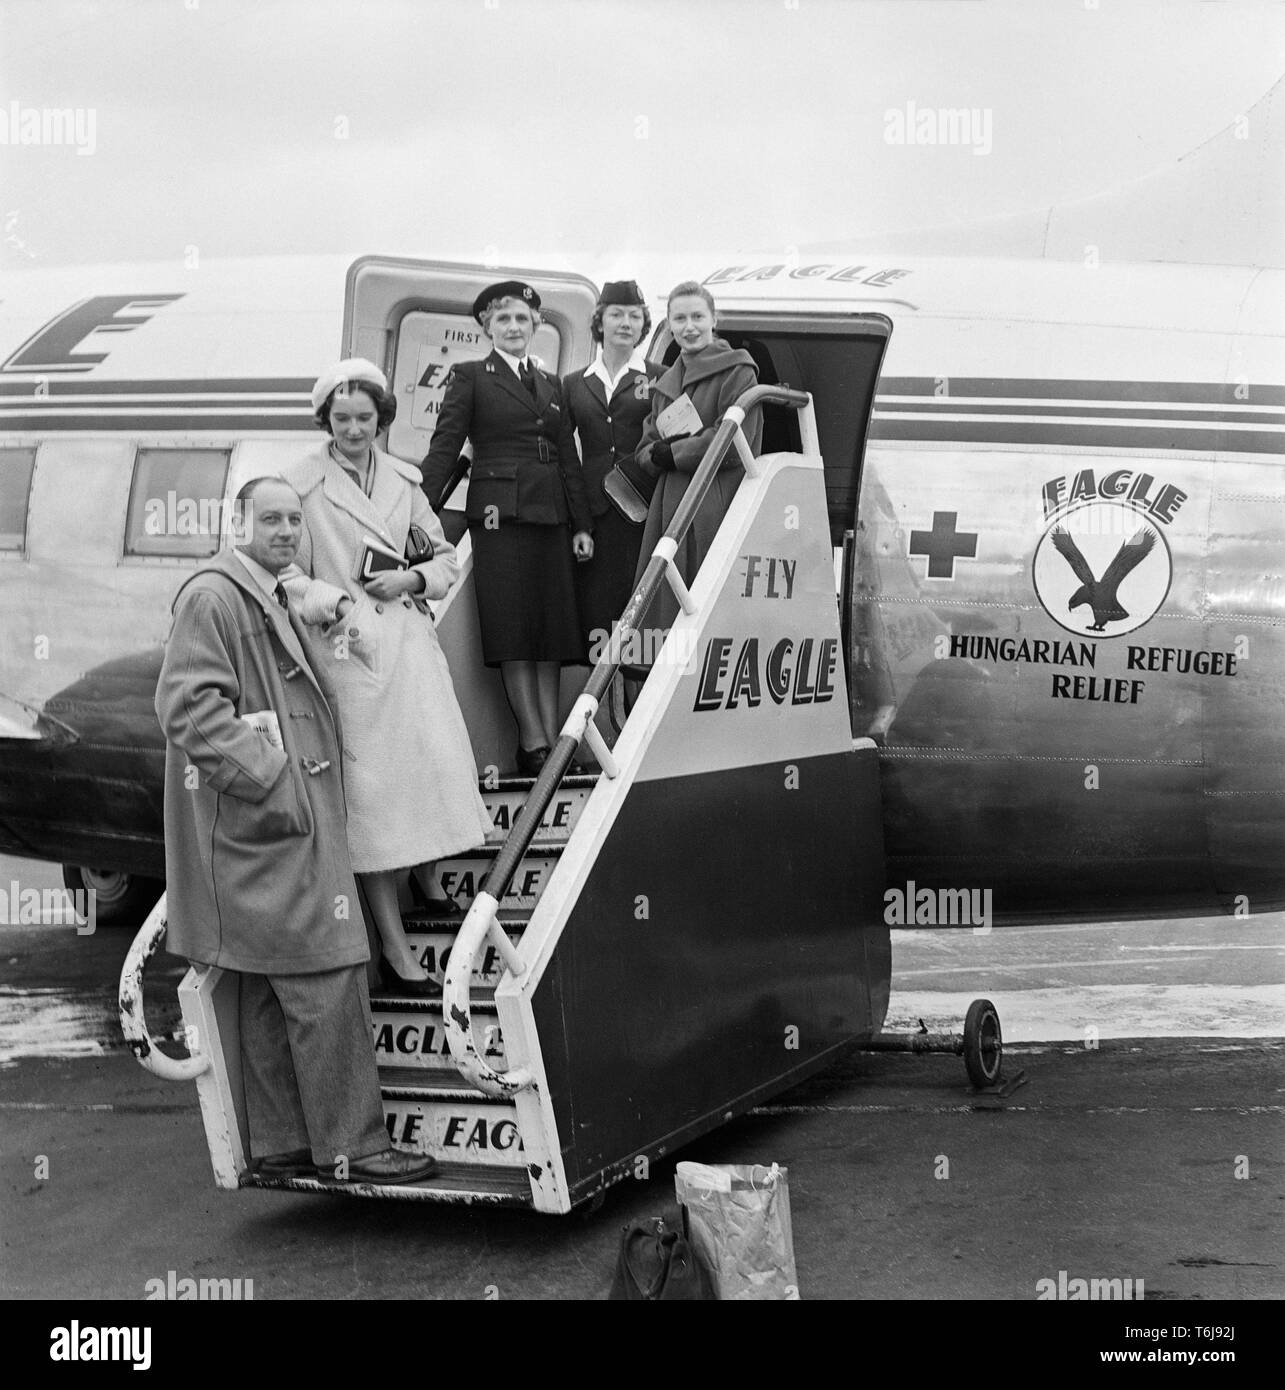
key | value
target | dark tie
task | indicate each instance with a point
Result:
(280, 595)
(527, 377)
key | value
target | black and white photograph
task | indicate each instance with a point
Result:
(642, 658)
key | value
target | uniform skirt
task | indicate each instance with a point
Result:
(605, 584)
(523, 576)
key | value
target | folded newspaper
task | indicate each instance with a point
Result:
(267, 723)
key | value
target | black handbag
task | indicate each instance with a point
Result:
(657, 1265)
(624, 496)
(419, 548)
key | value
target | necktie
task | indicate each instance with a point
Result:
(527, 377)
(280, 595)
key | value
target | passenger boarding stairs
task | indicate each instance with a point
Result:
(640, 956)
(428, 1105)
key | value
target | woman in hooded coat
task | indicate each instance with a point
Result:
(712, 374)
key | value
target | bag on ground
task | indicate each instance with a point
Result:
(656, 1265)
(737, 1217)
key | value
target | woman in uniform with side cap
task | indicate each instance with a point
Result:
(712, 374)
(526, 510)
(609, 402)
(409, 773)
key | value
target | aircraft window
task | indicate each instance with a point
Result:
(16, 468)
(176, 503)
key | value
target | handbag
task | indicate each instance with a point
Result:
(624, 496)
(657, 1265)
(419, 547)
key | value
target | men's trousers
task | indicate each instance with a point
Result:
(308, 1065)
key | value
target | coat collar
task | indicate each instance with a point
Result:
(320, 470)
(386, 489)
(718, 357)
(507, 377)
(597, 387)
(279, 619)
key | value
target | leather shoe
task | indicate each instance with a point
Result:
(297, 1163)
(531, 760)
(390, 982)
(391, 1166)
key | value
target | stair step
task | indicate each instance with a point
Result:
(458, 1126)
(461, 876)
(410, 1034)
(405, 1083)
(431, 938)
(504, 800)
(466, 1183)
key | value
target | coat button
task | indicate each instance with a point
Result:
(406, 603)
(379, 608)
(353, 632)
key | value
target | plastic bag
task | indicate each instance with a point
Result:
(738, 1221)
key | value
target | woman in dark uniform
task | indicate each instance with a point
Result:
(526, 510)
(609, 402)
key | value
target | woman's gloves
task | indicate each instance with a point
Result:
(662, 456)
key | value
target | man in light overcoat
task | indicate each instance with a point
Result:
(258, 878)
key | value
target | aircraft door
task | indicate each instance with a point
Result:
(837, 358)
(414, 319)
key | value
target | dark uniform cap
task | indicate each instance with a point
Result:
(505, 289)
(621, 292)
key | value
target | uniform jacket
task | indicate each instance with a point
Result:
(713, 380)
(256, 853)
(609, 431)
(524, 459)
(409, 769)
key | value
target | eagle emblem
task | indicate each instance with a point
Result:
(1101, 571)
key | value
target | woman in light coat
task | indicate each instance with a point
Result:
(409, 771)
(712, 374)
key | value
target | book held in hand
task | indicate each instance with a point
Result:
(377, 558)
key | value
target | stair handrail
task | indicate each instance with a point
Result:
(133, 1020)
(481, 923)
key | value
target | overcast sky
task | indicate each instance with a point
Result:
(485, 128)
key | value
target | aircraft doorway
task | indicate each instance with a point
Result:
(837, 359)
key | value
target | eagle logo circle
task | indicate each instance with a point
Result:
(1102, 569)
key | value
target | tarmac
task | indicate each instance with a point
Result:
(1144, 1142)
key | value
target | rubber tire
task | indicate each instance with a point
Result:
(121, 900)
(590, 1207)
(983, 1044)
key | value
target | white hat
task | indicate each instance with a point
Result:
(350, 369)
